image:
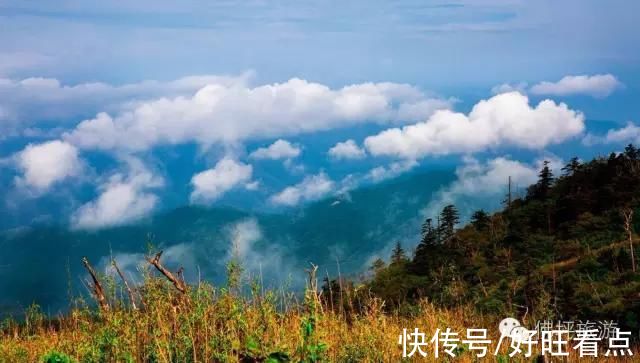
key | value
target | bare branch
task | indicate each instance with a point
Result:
(627, 215)
(98, 291)
(126, 284)
(178, 283)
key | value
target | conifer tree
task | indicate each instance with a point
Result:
(572, 166)
(427, 249)
(398, 255)
(480, 219)
(449, 218)
(540, 190)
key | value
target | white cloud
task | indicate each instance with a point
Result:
(394, 169)
(267, 260)
(347, 150)
(280, 149)
(482, 184)
(504, 119)
(228, 113)
(243, 235)
(211, 184)
(599, 86)
(627, 134)
(44, 164)
(254, 185)
(310, 188)
(123, 198)
(27, 101)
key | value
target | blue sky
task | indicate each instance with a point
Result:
(112, 110)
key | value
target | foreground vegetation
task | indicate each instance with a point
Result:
(218, 325)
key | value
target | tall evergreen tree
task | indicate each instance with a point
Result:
(398, 255)
(449, 218)
(540, 190)
(480, 219)
(572, 166)
(427, 249)
(429, 234)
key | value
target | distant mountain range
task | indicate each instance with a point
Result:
(41, 263)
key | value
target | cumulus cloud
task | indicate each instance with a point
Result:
(279, 150)
(310, 188)
(504, 119)
(484, 184)
(44, 164)
(598, 86)
(347, 150)
(211, 184)
(229, 113)
(627, 134)
(27, 101)
(124, 197)
(394, 169)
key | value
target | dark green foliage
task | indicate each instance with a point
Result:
(449, 218)
(398, 256)
(480, 220)
(560, 252)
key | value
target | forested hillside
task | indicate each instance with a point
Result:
(563, 251)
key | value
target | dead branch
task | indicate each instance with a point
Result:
(178, 283)
(98, 291)
(126, 284)
(627, 215)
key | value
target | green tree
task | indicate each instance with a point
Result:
(398, 255)
(426, 250)
(449, 218)
(572, 166)
(540, 190)
(480, 220)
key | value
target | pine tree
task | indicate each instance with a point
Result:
(449, 218)
(480, 219)
(540, 190)
(427, 249)
(398, 255)
(572, 166)
(429, 235)
(377, 265)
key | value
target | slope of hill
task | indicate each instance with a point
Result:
(566, 250)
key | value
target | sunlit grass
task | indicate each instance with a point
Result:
(209, 324)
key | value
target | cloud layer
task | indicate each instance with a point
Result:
(505, 119)
(32, 101)
(223, 113)
(598, 86)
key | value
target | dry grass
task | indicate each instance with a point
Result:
(218, 325)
